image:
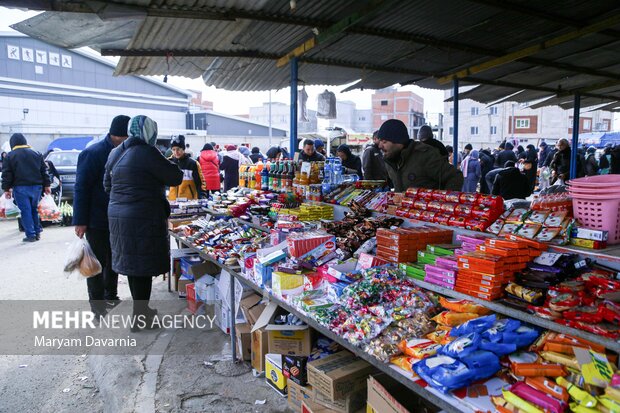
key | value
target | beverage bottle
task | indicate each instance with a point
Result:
(241, 175)
(272, 175)
(290, 176)
(327, 175)
(264, 181)
(251, 177)
(258, 170)
(337, 172)
(282, 175)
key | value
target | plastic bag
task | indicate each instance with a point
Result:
(48, 210)
(8, 209)
(80, 257)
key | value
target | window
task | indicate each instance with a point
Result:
(474, 111)
(493, 110)
(493, 130)
(451, 111)
(522, 124)
(587, 124)
(362, 118)
(384, 103)
(605, 126)
(474, 130)
(451, 131)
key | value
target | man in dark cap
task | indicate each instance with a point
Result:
(506, 154)
(414, 164)
(256, 156)
(426, 136)
(352, 164)
(193, 185)
(319, 145)
(90, 214)
(24, 175)
(373, 164)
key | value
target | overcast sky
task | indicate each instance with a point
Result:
(237, 103)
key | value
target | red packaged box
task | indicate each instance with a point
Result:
(500, 252)
(462, 210)
(458, 222)
(411, 193)
(407, 203)
(468, 198)
(496, 242)
(300, 244)
(441, 219)
(450, 208)
(366, 261)
(530, 243)
(434, 206)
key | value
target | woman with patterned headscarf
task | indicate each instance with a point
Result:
(136, 177)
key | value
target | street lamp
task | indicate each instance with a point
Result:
(25, 111)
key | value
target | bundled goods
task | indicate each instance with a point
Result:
(309, 212)
(402, 244)
(8, 208)
(538, 225)
(440, 265)
(187, 208)
(553, 202)
(588, 238)
(459, 209)
(47, 208)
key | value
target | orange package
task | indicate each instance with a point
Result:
(529, 242)
(452, 318)
(538, 369)
(549, 387)
(419, 348)
(502, 406)
(566, 339)
(501, 252)
(504, 243)
(441, 335)
(403, 362)
(463, 306)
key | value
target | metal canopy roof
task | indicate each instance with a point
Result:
(525, 48)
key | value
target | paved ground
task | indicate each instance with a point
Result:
(164, 379)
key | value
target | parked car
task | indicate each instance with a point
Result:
(66, 165)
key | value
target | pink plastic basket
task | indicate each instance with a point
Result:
(598, 181)
(595, 212)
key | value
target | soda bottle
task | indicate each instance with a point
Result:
(272, 176)
(250, 177)
(258, 170)
(241, 175)
(281, 175)
(264, 181)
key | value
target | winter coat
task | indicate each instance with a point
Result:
(230, 166)
(373, 164)
(210, 165)
(486, 165)
(549, 157)
(542, 156)
(505, 156)
(615, 160)
(604, 163)
(561, 164)
(193, 185)
(437, 145)
(23, 166)
(419, 165)
(136, 177)
(255, 157)
(316, 157)
(510, 183)
(90, 201)
(591, 165)
(473, 172)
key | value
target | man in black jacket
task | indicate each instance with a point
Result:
(506, 155)
(373, 164)
(426, 136)
(510, 183)
(309, 153)
(24, 175)
(90, 213)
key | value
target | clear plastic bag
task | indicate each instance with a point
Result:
(81, 258)
(48, 210)
(8, 209)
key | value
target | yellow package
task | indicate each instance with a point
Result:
(452, 318)
(613, 393)
(463, 306)
(419, 348)
(598, 371)
(441, 335)
(559, 358)
(519, 403)
(609, 403)
(577, 408)
(403, 362)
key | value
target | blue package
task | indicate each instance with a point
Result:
(521, 337)
(499, 349)
(462, 346)
(443, 373)
(495, 334)
(482, 364)
(476, 325)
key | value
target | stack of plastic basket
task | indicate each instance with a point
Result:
(596, 203)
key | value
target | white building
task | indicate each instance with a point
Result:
(487, 126)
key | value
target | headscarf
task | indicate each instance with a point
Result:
(464, 166)
(244, 150)
(143, 127)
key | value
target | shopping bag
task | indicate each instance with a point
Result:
(48, 210)
(8, 209)
(81, 258)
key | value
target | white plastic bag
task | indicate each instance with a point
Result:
(48, 210)
(81, 258)
(8, 209)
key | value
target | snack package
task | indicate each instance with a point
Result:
(462, 346)
(441, 335)
(529, 231)
(476, 325)
(559, 358)
(529, 295)
(555, 219)
(496, 332)
(499, 349)
(582, 397)
(546, 234)
(452, 318)
(483, 364)
(538, 398)
(496, 226)
(502, 406)
(522, 336)
(538, 369)
(403, 362)
(519, 402)
(549, 387)
(537, 217)
(443, 373)
(517, 216)
(509, 228)
(462, 306)
(419, 348)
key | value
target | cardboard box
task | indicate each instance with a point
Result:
(252, 308)
(308, 406)
(338, 375)
(259, 349)
(274, 375)
(297, 394)
(380, 400)
(182, 284)
(174, 223)
(194, 305)
(244, 341)
(350, 404)
(284, 339)
(294, 368)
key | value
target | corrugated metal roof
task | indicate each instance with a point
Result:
(405, 42)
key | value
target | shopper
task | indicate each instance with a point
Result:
(276, 153)
(560, 164)
(414, 164)
(245, 151)
(506, 155)
(486, 165)
(520, 152)
(459, 158)
(256, 156)
(466, 150)
(472, 172)
(230, 165)
(373, 165)
(309, 153)
(529, 162)
(320, 147)
(543, 152)
(591, 164)
(24, 177)
(135, 177)
(210, 166)
(425, 135)
(90, 214)
(352, 163)
(614, 164)
(2, 158)
(193, 185)
(510, 183)
(604, 162)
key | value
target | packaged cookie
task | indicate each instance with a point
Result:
(517, 216)
(546, 234)
(509, 228)
(496, 227)
(537, 217)
(529, 231)
(554, 219)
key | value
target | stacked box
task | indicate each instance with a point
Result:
(402, 244)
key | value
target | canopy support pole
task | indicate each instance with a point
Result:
(575, 143)
(293, 132)
(455, 125)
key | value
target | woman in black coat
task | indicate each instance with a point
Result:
(136, 176)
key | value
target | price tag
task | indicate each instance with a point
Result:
(547, 258)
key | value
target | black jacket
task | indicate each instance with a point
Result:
(90, 201)
(136, 176)
(314, 158)
(486, 166)
(255, 157)
(511, 183)
(23, 166)
(354, 165)
(561, 164)
(230, 165)
(505, 156)
(615, 160)
(438, 145)
(373, 164)
(591, 165)
(542, 156)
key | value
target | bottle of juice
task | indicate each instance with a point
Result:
(258, 170)
(241, 175)
(291, 176)
(251, 177)
(272, 175)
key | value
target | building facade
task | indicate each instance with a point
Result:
(487, 126)
(281, 117)
(47, 92)
(406, 106)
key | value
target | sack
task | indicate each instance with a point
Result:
(8, 209)
(48, 210)
(80, 257)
